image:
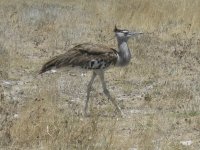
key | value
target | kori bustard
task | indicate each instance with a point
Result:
(95, 57)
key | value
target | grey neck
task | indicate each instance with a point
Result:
(124, 54)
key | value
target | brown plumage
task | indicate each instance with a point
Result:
(87, 55)
(96, 57)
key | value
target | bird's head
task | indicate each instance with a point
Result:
(123, 34)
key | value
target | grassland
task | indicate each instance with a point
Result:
(159, 92)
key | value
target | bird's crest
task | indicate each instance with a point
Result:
(116, 29)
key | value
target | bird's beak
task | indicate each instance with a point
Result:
(134, 33)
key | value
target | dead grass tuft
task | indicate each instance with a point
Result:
(43, 124)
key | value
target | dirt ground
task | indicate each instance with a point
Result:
(159, 92)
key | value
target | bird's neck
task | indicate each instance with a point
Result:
(124, 54)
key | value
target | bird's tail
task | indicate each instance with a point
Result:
(55, 62)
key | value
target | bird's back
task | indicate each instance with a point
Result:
(87, 56)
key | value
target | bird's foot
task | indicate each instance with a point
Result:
(120, 113)
(86, 114)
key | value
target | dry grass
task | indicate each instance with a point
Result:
(159, 91)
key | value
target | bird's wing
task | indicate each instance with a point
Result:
(94, 56)
(94, 48)
(87, 55)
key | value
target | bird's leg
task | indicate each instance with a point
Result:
(107, 93)
(89, 88)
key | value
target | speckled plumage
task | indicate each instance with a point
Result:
(95, 57)
(87, 56)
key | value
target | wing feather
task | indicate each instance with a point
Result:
(83, 55)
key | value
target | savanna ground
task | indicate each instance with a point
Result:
(159, 91)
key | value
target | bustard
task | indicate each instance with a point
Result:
(95, 57)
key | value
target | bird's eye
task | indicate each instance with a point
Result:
(125, 33)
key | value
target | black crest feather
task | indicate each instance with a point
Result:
(115, 29)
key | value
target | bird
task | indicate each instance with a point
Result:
(98, 58)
